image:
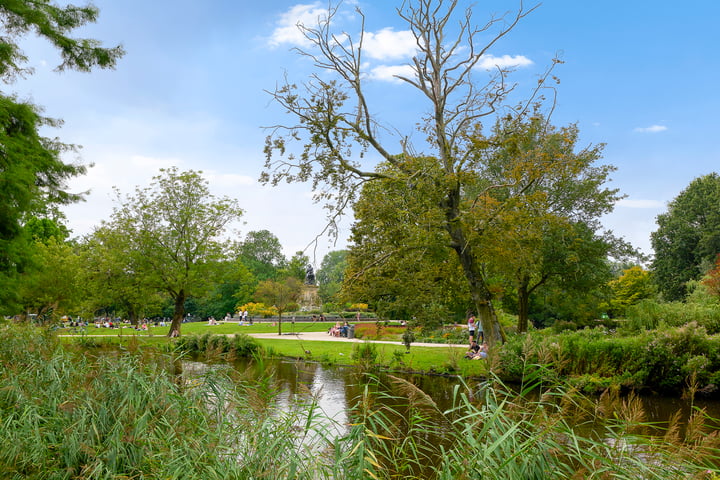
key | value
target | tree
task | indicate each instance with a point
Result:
(53, 23)
(281, 295)
(232, 286)
(399, 260)
(711, 281)
(632, 286)
(336, 128)
(688, 237)
(262, 253)
(553, 229)
(330, 275)
(33, 175)
(51, 286)
(172, 233)
(110, 276)
(297, 266)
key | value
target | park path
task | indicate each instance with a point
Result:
(324, 337)
(314, 337)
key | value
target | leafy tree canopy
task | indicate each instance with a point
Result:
(172, 234)
(282, 295)
(33, 175)
(335, 132)
(261, 252)
(688, 237)
(330, 275)
(632, 286)
(54, 23)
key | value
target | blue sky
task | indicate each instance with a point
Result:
(638, 76)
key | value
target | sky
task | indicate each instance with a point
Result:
(191, 91)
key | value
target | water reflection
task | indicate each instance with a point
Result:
(337, 389)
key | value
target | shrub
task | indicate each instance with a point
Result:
(238, 345)
(365, 355)
(666, 361)
(650, 314)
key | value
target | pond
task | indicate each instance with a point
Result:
(336, 389)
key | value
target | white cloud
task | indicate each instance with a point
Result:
(287, 31)
(651, 129)
(489, 62)
(388, 44)
(387, 72)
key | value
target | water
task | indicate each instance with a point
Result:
(336, 389)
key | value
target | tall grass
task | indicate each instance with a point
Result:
(132, 416)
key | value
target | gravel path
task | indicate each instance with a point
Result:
(322, 336)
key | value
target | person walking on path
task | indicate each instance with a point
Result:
(471, 328)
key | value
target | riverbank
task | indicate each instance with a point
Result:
(140, 415)
(307, 341)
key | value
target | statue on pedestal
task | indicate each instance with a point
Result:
(309, 275)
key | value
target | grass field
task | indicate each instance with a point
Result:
(443, 360)
(202, 327)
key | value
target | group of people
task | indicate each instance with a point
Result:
(477, 350)
(339, 330)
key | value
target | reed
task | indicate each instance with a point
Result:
(134, 415)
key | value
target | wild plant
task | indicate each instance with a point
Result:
(365, 355)
(69, 416)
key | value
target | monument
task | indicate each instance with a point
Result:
(309, 298)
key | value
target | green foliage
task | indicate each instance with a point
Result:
(54, 280)
(664, 360)
(33, 181)
(238, 345)
(172, 236)
(53, 23)
(365, 354)
(633, 285)
(688, 237)
(261, 252)
(233, 283)
(33, 175)
(552, 231)
(408, 337)
(330, 276)
(296, 267)
(282, 295)
(651, 314)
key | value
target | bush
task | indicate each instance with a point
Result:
(650, 314)
(365, 355)
(238, 345)
(666, 361)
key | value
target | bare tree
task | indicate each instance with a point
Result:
(338, 132)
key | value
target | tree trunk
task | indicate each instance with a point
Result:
(178, 315)
(479, 291)
(132, 314)
(279, 323)
(523, 305)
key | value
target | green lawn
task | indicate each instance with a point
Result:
(202, 327)
(420, 359)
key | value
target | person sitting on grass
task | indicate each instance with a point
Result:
(477, 351)
(474, 349)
